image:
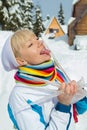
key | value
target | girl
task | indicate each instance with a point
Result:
(32, 61)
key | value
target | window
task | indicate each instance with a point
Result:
(51, 30)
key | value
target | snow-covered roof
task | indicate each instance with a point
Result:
(71, 20)
(75, 1)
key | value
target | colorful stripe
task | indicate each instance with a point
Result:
(45, 71)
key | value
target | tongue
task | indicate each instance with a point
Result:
(45, 51)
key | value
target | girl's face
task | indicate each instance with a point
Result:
(34, 52)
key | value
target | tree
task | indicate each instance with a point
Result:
(48, 17)
(38, 26)
(27, 7)
(61, 15)
(3, 14)
(16, 14)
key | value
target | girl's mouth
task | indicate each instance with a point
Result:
(45, 51)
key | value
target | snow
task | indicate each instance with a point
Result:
(64, 27)
(80, 42)
(0, 3)
(46, 23)
(74, 63)
(75, 1)
(18, 11)
(71, 20)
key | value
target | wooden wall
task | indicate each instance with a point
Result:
(79, 25)
(79, 7)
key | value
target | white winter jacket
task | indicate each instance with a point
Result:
(30, 108)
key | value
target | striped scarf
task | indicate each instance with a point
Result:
(45, 71)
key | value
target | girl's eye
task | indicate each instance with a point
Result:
(30, 45)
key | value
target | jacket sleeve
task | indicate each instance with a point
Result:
(81, 106)
(33, 119)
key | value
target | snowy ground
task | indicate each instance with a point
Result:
(73, 62)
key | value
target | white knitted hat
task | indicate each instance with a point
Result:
(7, 56)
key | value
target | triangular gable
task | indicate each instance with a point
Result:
(54, 27)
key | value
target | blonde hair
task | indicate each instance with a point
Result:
(19, 38)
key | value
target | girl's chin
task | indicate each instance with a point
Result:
(47, 59)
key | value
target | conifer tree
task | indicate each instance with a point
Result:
(27, 7)
(61, 15)
(3, 14)
(38, 26)
(16, 14)
(48, 17)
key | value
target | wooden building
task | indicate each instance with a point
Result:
(54, 28)
(78, 26)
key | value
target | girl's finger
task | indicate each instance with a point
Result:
(67, 89)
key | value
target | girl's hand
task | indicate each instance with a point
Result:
(69, 90)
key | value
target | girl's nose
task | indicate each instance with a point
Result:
(40, 43)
